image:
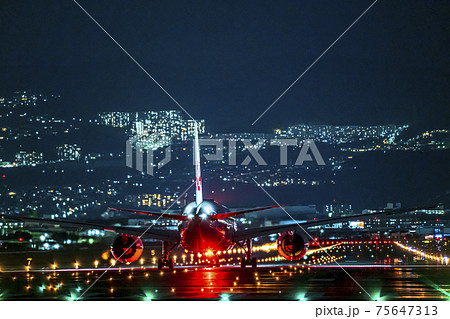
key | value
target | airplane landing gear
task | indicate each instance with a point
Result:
(245, 261)
(165, 260)
(216, 262)
(248, 259)
(168, 262)
(253, 262)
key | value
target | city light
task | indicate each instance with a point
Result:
(442, 259)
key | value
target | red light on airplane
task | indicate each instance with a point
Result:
(4, 176)
(20, 239)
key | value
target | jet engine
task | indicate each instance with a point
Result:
(291, 246)
(126, 248)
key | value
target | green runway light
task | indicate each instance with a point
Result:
(301, 296)
(438, 288)
(225, 297)
(72, 297)
(377, 295)
(148, 296)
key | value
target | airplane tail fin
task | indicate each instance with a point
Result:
(198, 173)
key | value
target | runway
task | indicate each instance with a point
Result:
(322, 282)
(318, 277)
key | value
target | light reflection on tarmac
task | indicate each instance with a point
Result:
(315, 278)
(281, 282)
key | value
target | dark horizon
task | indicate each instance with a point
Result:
(227, 62)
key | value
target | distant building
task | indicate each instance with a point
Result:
(153, 129)
(20, 99)
(154, 200)
(115, 119)
(337, 210)
(69, 152)
(24, 158)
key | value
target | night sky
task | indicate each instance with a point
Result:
(227, 61)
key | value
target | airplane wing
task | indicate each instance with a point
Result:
(144, 212)
(232, 214)
(264, 231)
(159, 234)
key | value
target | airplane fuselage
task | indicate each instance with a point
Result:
(204, 235)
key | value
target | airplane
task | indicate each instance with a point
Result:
(206, 227)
